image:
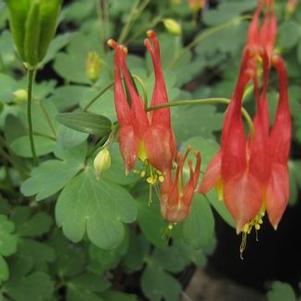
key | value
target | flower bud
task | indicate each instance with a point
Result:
(172, 26)
(33, 24)
(102, 162)
(21, 96)
(291, 7)
(175, 2)
(93, 66)
(197, 5)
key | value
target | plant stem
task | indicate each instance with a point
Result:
(205, 101)
(134, 14)
(152, 24)
(51, 126)
(205, 35)
(31, 74)
(103, 91)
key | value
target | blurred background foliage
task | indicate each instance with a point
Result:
(66, 236)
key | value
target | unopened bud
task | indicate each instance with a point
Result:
(93, 66)
(172, 26)
(291, 6)
(21, 96)
(102, 162)
(196, 5)
(175, 2)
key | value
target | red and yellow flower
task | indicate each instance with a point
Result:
(147, 136)
(250, 173)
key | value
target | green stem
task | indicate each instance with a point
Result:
(2, 65)
(5, 156)
(141, 83)
(51, 126)
(103, 91)
(134, 14)
(204, 101)
(205, 35)
(141, 31)
(31, 74)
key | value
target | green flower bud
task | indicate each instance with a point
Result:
(33, 25)
(21, 96)
(102, 162)
(172, 26)
(93, 66)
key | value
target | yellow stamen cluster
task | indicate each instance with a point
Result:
(247, 229)
(256, 223)
(151, 175)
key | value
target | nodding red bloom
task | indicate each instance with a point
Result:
(251, 174)
(278, 186)
(241, 168)
(175, 196)
(147, 136)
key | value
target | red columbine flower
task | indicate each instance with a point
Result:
(175, 196)
(147, 136)
(278, 186)
(251, 174)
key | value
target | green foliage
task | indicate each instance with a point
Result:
(87, 205)
(281, 291)
(64, 235)
(8, 245)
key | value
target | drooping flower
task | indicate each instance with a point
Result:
(278, 186)
(249, 173)
(147, 136)
(175, 195)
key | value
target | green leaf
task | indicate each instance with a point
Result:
(85, 122)
(68, 138)
(43, 146)
(70, 258)
(36, 286)
(56, 44)
(8, 240)
(55, 172)
(227, 10)
(4, 271)
(71, 64)
(37, 254)
(281, 291)
(151, 222)
(170, 259)
(289, 34)
(157, 284)
(118, 296)
(86, 287)
(136, 253)
(295, 180)
(68, 96)
(37, 225)
(299, 52)
(104, 260)
(203, 121)
(98, 208)
(198, 228)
